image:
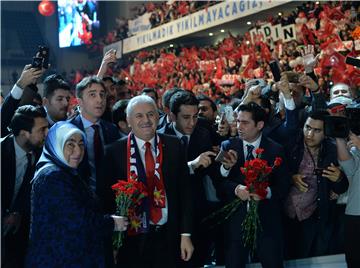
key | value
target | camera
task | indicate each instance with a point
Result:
(340, 127)
(41, 59)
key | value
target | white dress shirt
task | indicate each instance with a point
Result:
(21, 166)
(89, 131)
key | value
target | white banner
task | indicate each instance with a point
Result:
(117, 46)
(276, 32)
(140, 24)
(198, 21)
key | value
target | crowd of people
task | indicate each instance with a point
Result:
(160, 12)
(188, 143)
(201, 69)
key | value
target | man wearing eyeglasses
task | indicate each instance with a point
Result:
(315, 173)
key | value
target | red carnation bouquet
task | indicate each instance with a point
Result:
(256, 174)
(128, 197)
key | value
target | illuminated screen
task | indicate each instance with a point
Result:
(78, 22)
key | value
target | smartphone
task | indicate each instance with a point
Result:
(229, 114)
(221, 155)
(37, 62)
(44, 53)
(318, 171)
(275, 69)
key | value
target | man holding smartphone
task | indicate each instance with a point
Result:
(231, 185)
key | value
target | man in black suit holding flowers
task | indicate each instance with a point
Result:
(164, 224)
(250, 123)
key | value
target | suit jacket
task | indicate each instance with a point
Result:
(14, 245)
(269, 209)
(200, 141)
(327, 155)
(8, 175)
(176, 182)
(8, 109)
(110, 134)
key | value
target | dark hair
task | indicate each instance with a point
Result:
(318, 115)
(182, 98)
(206, 98)
(150, 90)
(120, 82)
(87, 82)
(52, 83)
(24, 118)
(257, 112)
(108, 78)
(167, 96)
(119, 111)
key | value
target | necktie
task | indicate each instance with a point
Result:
(155, 212)
(98, 150)
(28, 167)
(185, 140)
(250, 149)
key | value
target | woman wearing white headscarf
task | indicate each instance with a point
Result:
(67, 228)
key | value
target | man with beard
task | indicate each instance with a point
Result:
(315, 173)
(20, 151)
(56, 98)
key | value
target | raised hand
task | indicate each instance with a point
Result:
(29, 76)
(310, 60)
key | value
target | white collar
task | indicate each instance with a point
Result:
(178, 133)
(255, 143)
(87, 123)
(19, 152)
(141, 143)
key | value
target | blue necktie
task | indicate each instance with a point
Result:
(250, 149)
(184, 140)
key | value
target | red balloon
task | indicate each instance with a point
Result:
(46, 8)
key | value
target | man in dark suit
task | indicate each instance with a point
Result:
(158, 161)
(250, 122)
(184, 116)
(20, 151)
(92, 101)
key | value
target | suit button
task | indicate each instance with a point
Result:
(318, 199)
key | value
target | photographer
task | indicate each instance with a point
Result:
(28, 77)
(349, 159)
